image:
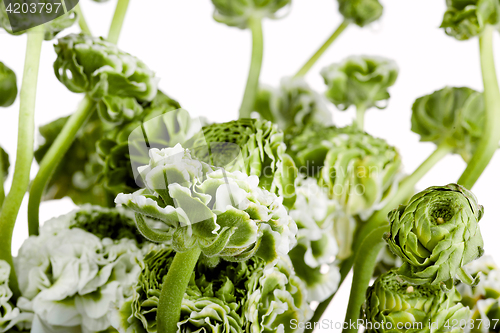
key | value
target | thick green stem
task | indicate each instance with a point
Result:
(24, 157)
(252, 86)
(2, 179)
(81, 21)
(117, 23)
(491, 135)
(307, 66)
(173, 289)
(364, 265)
(53, 157)
(404, 191)
(360, 116)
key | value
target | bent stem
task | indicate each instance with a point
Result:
(81, 21)
(364, 265)
(24, 157)
(307, 66)
(404, 191)
(117, 22)
(173, 289)
(52, 158)
(489, 141)
(252, 86)
(360, 116)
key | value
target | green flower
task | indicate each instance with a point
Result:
(358, 169)
(237, 13)
(79, 171)
(70, 277)
(92, 65)
(454, 116)
(8, 86)
(361, 81)
(226, 214)
(465, 19)
(484, 298)
(10, 316)
(228, 298)
(53, 26)
(294, 103)
(126, 147)
(252, 146)
(316, 251)
(361, 12)
(436, 234)
(393, 305)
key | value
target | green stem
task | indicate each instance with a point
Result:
(489, 141)
(173, 289)
(360, 116)
(24, 157)
(364, 265)
(81, 21)
(252, 86)
(404, 191)
(307, 66)
(117, 22)
(2, 180)
(52, 158)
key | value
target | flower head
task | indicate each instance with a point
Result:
(393, 305)
(232, 297)
(8, 86)
(226, 214)
(362, 81)
(466, 19)
(454, 116)
(361, 12)
(436, 233)
(237, 13)
(294, 103)
(69, 277)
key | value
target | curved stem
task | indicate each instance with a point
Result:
(307, 66)
(360, 116)
(252, 86)
(364, 265)
(24, 157)
(489, 141)
(53, 157)
(117, 23)
(81, 21)
(405, 190)
(173, 289)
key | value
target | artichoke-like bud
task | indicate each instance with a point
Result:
(229, 298)
(8, 86)
(454, 116)
(358, 169)
(362, 81)
(92, 65)
(252, 146)
(393, 305)
(54, 24)
(226, 214)
(10, 316)
(361, 12)
(466, 19)
(70, 277)
(79, 171)
(157, 127)
(294, 103)
(237, 13)
(316, 251)
(436, 234)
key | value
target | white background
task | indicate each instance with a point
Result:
(203, 64)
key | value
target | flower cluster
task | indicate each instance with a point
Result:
(232, 297)
(79, 265)
(226, 214)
